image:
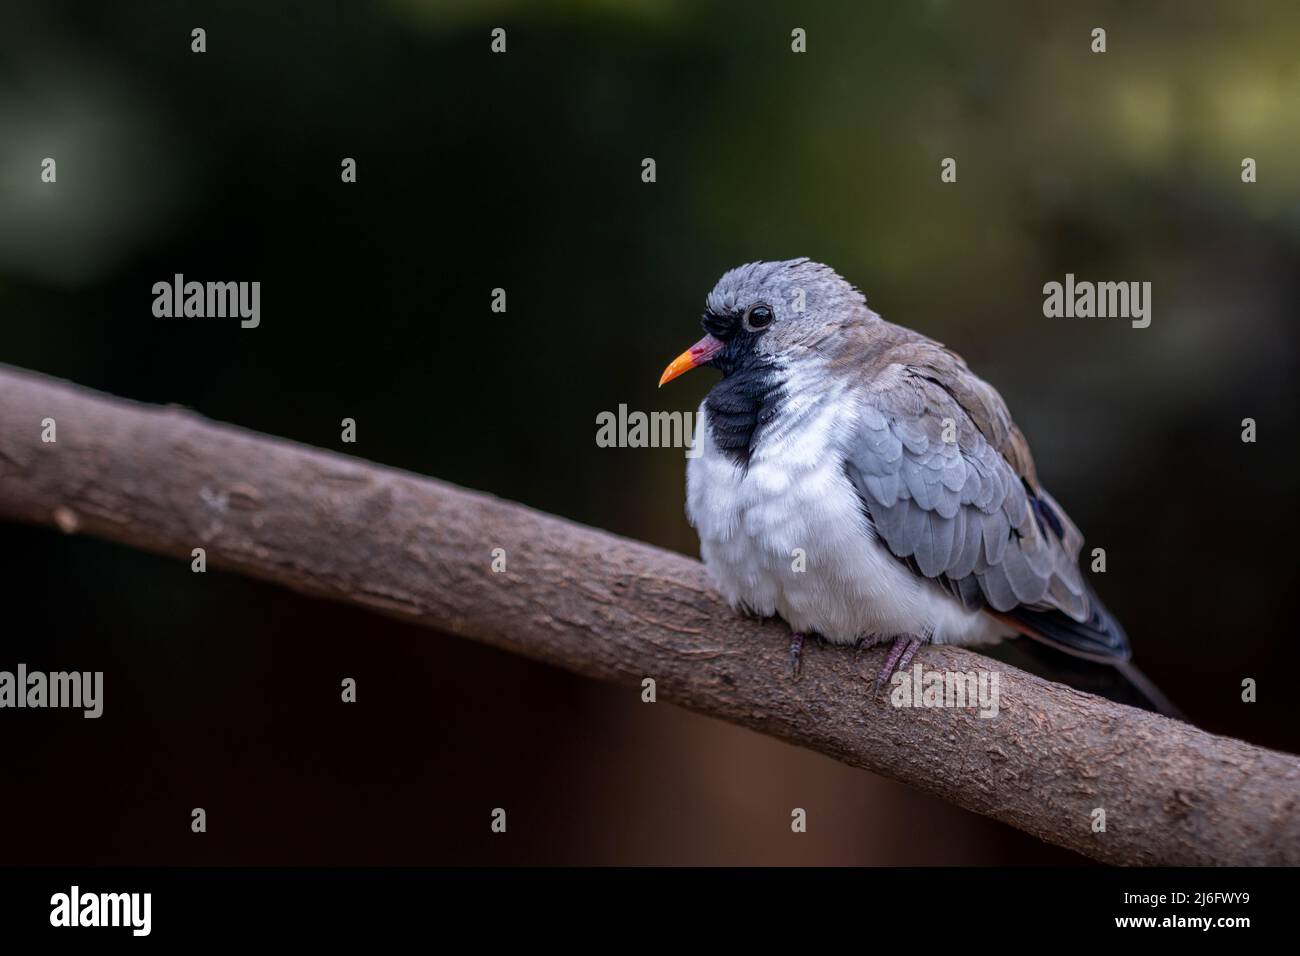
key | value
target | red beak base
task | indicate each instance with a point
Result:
(699, 353)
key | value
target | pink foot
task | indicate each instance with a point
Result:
(796, 655)
(900, 655)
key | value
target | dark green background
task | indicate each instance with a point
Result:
(522, 171)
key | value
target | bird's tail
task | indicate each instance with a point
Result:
(1100, 639)
(1149, 690)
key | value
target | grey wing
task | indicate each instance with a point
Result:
(946, 500)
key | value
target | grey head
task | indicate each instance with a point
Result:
(763, 320)
(774, 311)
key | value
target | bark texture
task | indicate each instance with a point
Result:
(166, 480)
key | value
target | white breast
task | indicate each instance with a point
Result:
(794, 499)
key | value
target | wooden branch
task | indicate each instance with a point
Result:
(167, 480)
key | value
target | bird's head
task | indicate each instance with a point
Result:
(771, 314)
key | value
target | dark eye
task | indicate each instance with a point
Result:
(758, 317)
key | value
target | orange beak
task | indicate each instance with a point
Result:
(697, 354)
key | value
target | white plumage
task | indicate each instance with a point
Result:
(794, 495)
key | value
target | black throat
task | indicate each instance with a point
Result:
(740, 406)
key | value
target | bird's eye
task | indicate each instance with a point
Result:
(758, 317)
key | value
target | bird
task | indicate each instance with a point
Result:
(855, 478)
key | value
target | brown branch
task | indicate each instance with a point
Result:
(167, 480)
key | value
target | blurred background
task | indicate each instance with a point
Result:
(523, 171)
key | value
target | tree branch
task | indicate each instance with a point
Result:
(167, 480)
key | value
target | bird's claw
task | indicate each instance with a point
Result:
(796, 655)
(900, 655)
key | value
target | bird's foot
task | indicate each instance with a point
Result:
(796, 655)
(900, 655)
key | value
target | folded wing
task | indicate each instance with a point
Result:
(948, 481)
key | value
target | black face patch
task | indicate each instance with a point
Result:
(751, 391)
(720, 325)
(739, 351)
(740, 405)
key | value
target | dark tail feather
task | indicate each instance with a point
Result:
(1100, 639)
(1149, 690)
